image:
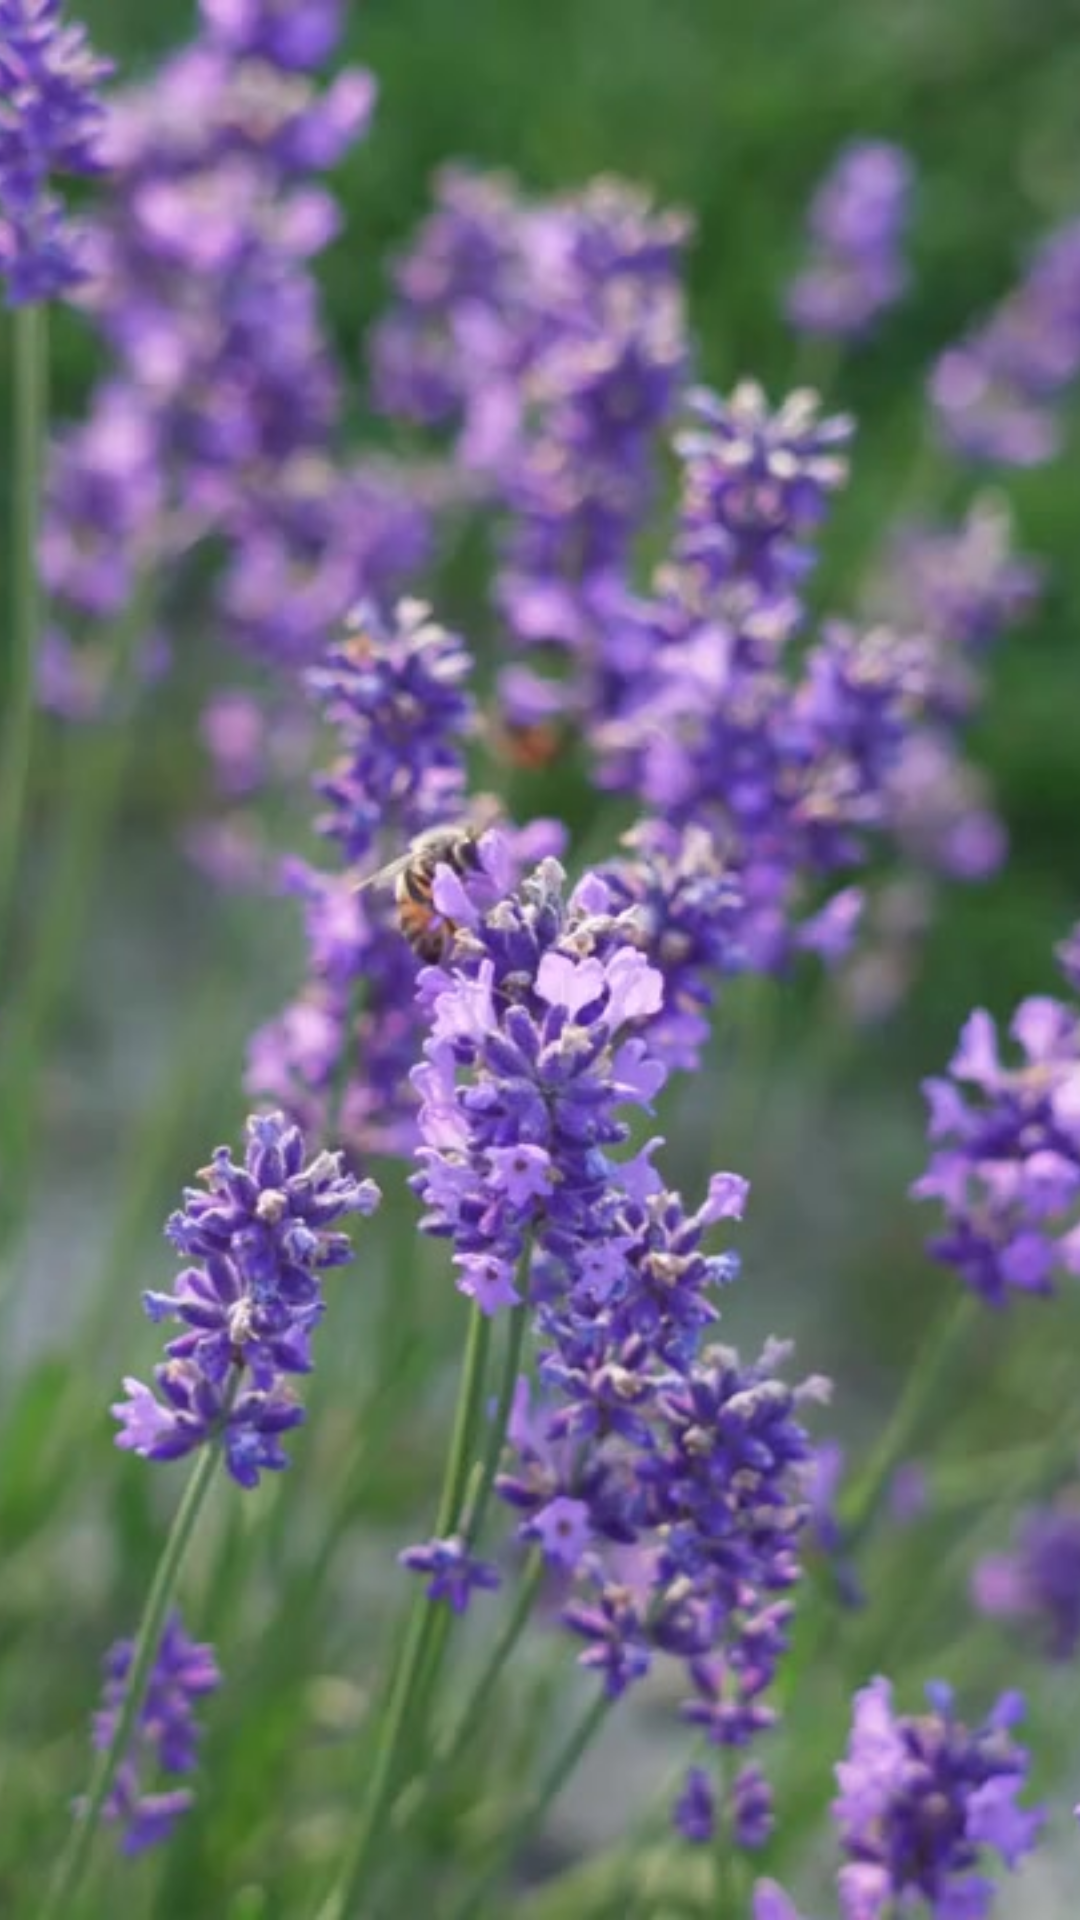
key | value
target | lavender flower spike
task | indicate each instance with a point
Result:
(165, 1732)
(1039, 1581)
(1006, 1158)
(922, 1799)
(258, 1237)
(857, 219)
(50, 119)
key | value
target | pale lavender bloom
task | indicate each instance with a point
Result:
(996, 395)
(858, 216)
(963, 583)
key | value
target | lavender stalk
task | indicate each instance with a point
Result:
(422, 1646)
(30, 404)
(529, 1819)
(75, 1859)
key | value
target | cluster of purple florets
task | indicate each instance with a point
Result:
(217, 422)
(396, 694)
(258, 1237)
(855, 268)
(661, 1477)
(1005, 1164)
(166, 1735)
(549, 338)
(51, 122)
(995, 395)
(924, 1802)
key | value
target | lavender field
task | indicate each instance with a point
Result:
(540, 944)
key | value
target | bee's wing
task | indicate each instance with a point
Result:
(384, 875)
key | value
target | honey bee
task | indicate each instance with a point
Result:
(413, 876)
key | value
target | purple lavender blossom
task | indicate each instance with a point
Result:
(165, 1736)
(661, 1477)
(551, 1064)
(756, 484)
(694, 1815)
(922, 1798)
(399, 700)
(995, 395)
(454, 1573)
(295, 39)
(1039, 1581)
(857, 220)
(784, 752)
(258, 1238)
(50, 123)
(396, 693)
(222, 385)
(1005, 1163)
(685, 908)
(964, 583)
(549, 339)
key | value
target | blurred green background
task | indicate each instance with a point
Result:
(733, 111)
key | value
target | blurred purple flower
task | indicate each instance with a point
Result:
(259, 1238)
(694, 1815)
(548, 337)
(1039, 1580)
(296, 39)
(857, 222)
(1005, 1163)
(921, 1797)
(772, 1903)
(216, 430)
(454, 1573)
(165, 1735)
(826, 1468)
(995, 395)
(50, 123)
(963, 583)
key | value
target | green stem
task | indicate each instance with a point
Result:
(30, 406)
(60, 1903)
(101, 755)
(817, 1628)
(466, 1422)
(481, 1493)
(932, 1362)
(723, 1843)
(533, 1813)
(449, 1753)
(408, 1669)
(477, 1498)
